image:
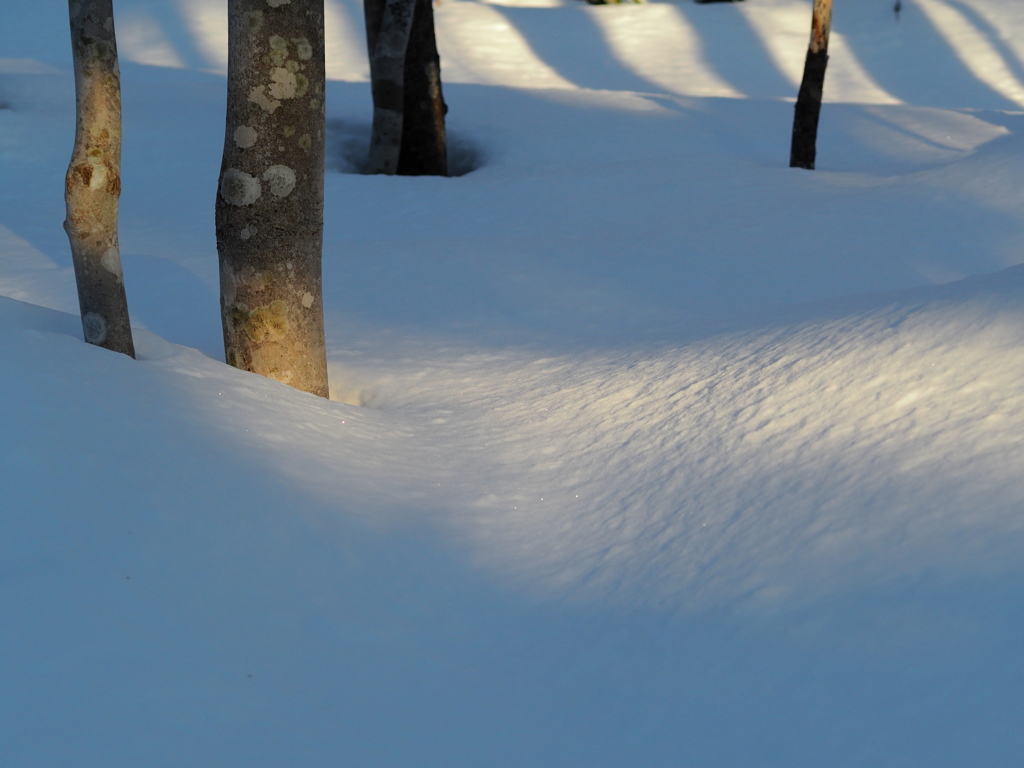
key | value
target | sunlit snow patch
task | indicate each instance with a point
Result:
(140, 39)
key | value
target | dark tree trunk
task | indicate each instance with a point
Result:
(405, 72)
(808, 101)
(387, 38)
(270, 197)
(424, 144)
(93, 183)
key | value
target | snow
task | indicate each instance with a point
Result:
(643, 448)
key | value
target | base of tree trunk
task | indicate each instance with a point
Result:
(808, 109)
(101, 300)
(424, 142)
(270, 200)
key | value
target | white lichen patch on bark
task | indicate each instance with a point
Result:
(259, 96)
(307, 299)
(303, 49)
(111, 261)
(247, 232)
(278, 3)
(278, 49)
(253, 20)
(245, 136)
(284, 85)
(94, 327)
(281, 179)
(239, 188)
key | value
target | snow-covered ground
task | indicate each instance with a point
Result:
(643, 449)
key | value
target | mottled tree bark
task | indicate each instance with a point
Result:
(387, 45)
(409, 135)
(270, 197)
(93, 182)
(808, 102)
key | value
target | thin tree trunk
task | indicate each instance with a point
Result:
(270, 197)
(424, 142)
(93, 181)
(387, 37)
(808, 101)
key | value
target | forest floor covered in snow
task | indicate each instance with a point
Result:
(643, 449)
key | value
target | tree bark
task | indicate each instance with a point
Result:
(409, 136)
(424, 141)
(387, 43)
(93, 182)
(808, 102)
(270, 198)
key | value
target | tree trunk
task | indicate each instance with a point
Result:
(405, 71)
(808, 101)
(424, 142)
(271, 192)
(93, 182)
(387, 45)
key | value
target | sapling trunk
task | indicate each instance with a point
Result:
(808, 102)
(93, 182)
(270, 197)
